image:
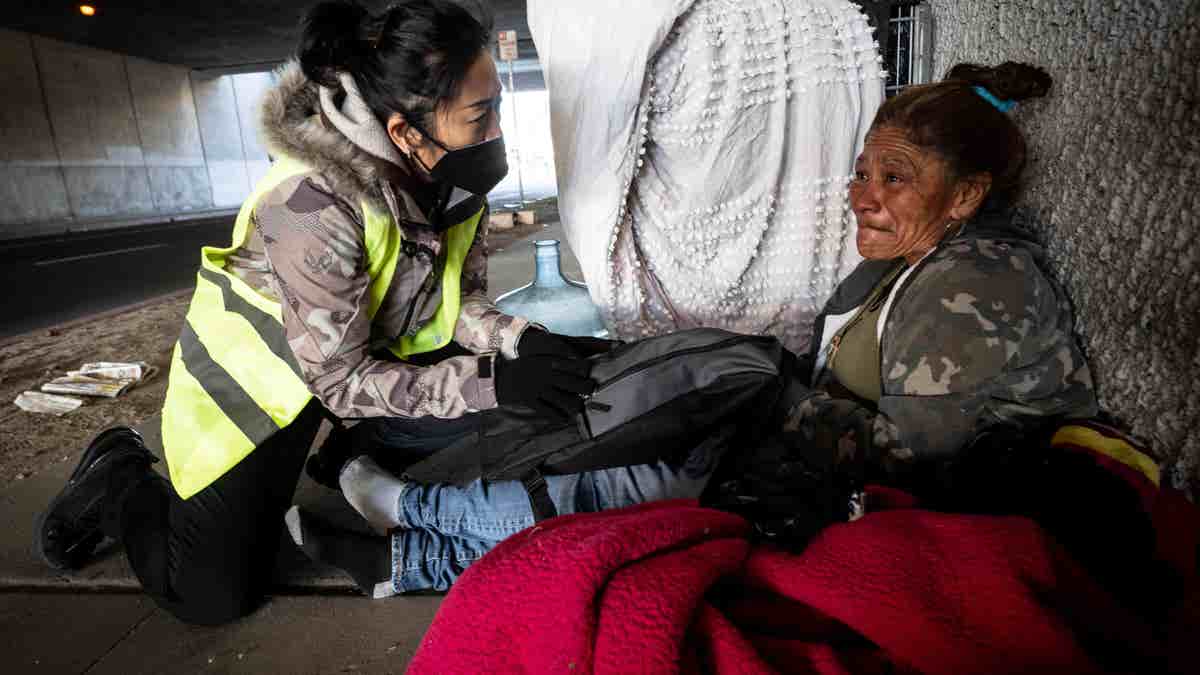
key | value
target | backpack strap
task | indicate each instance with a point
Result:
(539, 496)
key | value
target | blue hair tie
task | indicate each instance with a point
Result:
(1002, 106)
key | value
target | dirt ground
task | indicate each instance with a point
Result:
(29, 443)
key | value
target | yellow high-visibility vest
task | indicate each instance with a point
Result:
(234, 380)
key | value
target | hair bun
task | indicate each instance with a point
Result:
(1009, 81)
(332, 39)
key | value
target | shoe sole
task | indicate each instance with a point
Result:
(74, 556)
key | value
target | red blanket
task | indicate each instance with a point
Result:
(672, 587)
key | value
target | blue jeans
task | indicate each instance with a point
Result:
(444, 528)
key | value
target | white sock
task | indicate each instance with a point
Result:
(373, 492)
(383, 589)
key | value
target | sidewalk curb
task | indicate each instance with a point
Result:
(67, 325)
(37, 231)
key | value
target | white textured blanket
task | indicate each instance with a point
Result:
(703, 149)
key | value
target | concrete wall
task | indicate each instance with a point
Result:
(1112, 191)
(89, 136)
(32, 185)
(249, 89)
(227, 108)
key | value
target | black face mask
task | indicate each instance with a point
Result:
(475, 168)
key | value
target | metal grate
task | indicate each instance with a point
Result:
(909, 46)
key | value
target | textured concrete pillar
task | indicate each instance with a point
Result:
(220, 130)
(1112, 189)
(32, 188)
(170, 136)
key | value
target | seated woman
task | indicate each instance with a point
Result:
(950, 325)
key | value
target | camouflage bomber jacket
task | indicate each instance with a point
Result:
(307, 251)
(976, 335)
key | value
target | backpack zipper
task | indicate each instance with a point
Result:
(632, 370)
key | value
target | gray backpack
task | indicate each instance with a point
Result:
(656, 400)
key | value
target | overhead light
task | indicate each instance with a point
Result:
(87, 10)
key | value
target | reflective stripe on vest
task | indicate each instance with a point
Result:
(234, 380)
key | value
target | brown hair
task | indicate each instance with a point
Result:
(963, 128)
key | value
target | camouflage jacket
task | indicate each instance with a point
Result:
(306, 250)
(976, 335)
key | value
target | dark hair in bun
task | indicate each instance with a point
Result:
(971, 134)
(1009, 81)
(408, 59)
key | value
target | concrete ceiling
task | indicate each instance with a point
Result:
(211, 35)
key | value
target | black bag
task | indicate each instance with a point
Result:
(656, 400)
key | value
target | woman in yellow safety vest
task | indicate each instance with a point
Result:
(355, 285)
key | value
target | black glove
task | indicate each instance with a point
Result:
(537, 342)
(586, 346)
(553, 386)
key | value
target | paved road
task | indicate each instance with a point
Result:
(47, 281)
(56, 279)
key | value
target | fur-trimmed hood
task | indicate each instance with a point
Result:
(292, 126)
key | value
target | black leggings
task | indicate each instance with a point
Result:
(210, 559)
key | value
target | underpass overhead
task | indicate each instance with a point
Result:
(91, 138)
(222, 35)
(146, 112)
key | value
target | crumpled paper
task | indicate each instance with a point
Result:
(105, 379)
(49, 404)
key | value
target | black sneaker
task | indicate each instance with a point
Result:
(69, 530)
